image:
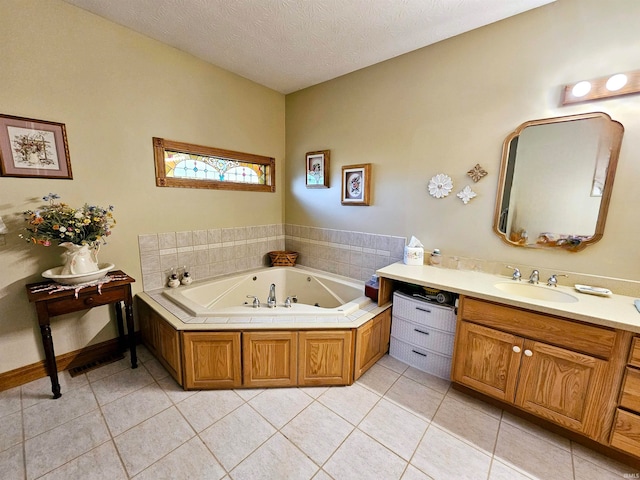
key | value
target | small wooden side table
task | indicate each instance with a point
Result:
(52, 301)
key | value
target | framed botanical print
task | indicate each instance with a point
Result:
(317, 167)
(33, 148)
(356, 184)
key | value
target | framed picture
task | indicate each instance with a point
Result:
(356, 184)
(317, 166)
(33, 148)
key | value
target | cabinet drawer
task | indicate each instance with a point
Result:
(424, 313)
(631, 390)
(422, 336)
(591, 339)
(421, 358)
(626, 432)
(84, 301)
(634, 355)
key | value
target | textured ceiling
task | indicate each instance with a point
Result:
(288, 45)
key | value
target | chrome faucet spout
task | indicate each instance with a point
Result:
(271, 299)
(534, 277)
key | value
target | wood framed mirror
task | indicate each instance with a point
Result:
(556, 179)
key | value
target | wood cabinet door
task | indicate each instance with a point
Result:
(168, 349)
(560, 385)
(487, 360)
(211, 360)
(372, 342)
(270, 359)
(326, 357)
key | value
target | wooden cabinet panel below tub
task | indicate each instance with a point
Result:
(211, 360)
(372, 342)
(325, 357)
(270, 359)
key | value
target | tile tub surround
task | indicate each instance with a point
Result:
(208, 253)
(394, 422)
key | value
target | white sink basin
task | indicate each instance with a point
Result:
(536, 292)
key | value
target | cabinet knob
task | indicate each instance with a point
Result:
(516, 349)
(528, 353)
(88, 301)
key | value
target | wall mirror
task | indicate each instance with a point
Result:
(555, 181)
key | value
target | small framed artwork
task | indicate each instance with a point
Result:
(356, 184)
(33, 148)
(317, 165)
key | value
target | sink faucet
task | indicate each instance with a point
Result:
(553, 279)
(534, 277)
(271, 299)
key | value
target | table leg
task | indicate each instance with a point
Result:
(128, 308)
(52, 367)
(118, 308)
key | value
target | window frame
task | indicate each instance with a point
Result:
(161, 145)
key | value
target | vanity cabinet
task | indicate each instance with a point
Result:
(626, 428)
(565, 371)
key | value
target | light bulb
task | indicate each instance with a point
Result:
(616, 82)
(580, 89)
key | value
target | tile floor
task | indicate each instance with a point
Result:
(395, 422)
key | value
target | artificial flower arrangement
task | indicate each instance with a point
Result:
(58, 223)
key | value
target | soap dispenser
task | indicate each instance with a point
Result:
(174, 281)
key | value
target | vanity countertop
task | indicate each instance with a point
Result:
(616, 311)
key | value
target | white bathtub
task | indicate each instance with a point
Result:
(318, 294)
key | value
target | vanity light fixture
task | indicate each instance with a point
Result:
(604, 87)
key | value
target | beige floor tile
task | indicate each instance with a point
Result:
(417, 398)
(314, 392)
(143, 354)
(10, 431)
(352, 403)
(207, 407)
(280, 405)
(44, 416)
(475, 403)
(499, 471)
(317, 431)
(436, 383)
(278, 459)
(602, 461)
(322, 475)
(585, 470)
(248, 393)
(412, 473)
(522, 424)
(135, 408)
(174, 391)
(12, 464)
(394, 427)
(378, 379)
(392, 364)
(40, 390)
(71, 440)
(110, 369)
(148, 442)
(532, 455)
(237, 435)
(119, 384)
(10, 401)
(443, 456)
(361, 457)
(101, 463)
(155, 368)
(190, 461)
(470, 425)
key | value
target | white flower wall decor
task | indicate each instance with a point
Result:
(466, 194)
(440, 185)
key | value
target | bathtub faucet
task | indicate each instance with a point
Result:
(271, 299)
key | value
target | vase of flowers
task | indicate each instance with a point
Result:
(80, 230)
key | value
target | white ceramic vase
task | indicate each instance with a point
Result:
(79, 259)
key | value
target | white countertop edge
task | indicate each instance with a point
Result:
(616, 311)
(178, 324)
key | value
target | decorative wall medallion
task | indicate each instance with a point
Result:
(476, 173)
(440, 186)
(466, 194)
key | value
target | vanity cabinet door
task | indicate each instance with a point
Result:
(487, 360)
(325, 357)
(559, 384)
(270, 359)
(211, 360)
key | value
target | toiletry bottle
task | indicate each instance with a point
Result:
(371, 288)
(436, 257)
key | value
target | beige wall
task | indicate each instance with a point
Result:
(114, 90)
(446, 107)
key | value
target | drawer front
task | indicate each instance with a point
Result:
(424, 313)
(85, 300)
(591, 339)
(626, 432)
(634, 355)
(421, 358)
(422, 336)
(631, 390)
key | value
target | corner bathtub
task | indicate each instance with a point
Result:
(318, 295)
